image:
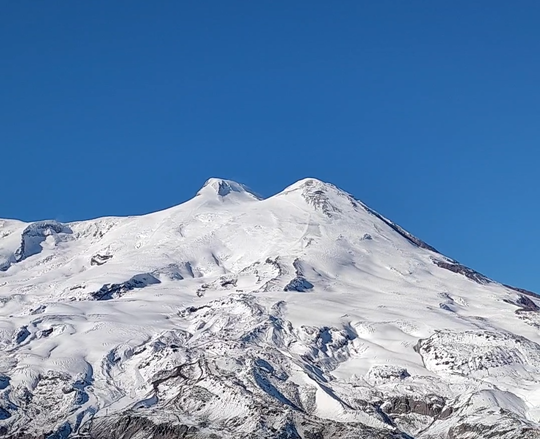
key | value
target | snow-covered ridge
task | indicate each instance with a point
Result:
(224, 188)
(303, 315)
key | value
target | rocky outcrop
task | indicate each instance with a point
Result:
(31, 239)
(527, 304)
(524, 304)
(458, 268)
(98, 259)
(35, 234)
(132, 426)
(112, 291)
(430, 405)
(4, 265)
(299, 284)
(246, 360)
(466, 430)
(522, 291)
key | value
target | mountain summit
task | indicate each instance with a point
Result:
(303, 315)
(224, 188)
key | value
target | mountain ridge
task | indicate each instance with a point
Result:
(302, 315)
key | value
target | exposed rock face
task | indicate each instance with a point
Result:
(134, 426)
(527, 304)
(305, 316)
(430, 405)
(386, 373)
(478, 353)
(111, 291)
(299, 284)
(522, 291)
(317, 195)
(32, 239)
(479, 419)
(458, 268)
(466, 430)
(4, 265)
(99, 259)
(524, 304)
(35, 234)
(235, 368)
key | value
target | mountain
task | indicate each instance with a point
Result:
(303, 315)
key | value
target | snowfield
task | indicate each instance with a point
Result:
(303, 315)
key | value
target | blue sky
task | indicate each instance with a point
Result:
(427, 111)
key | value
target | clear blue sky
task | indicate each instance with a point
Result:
(428, 111)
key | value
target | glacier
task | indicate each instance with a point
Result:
(305, 315)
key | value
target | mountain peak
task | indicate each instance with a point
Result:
(302, 313)
(323, 196)
(224, 188)
(307, 183)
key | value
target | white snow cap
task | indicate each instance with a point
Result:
(306, 182)
(305, 312)
(225, 188)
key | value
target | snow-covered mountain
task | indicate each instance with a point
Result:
(304, 315)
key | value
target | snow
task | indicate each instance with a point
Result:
(308, 298)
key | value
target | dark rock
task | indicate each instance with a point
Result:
(446, 307)
(315, 194)
(229, 283)
(111, 291)
(46, 332)
(431, 406)
(275, 263)
(99, 259)
(526, 304)
(129, 426)
(4, 266)
(465, 430)
(386, 373)
(299, 284)
(22, 335)
(35, 234)
(31, 240)
(458, 268)
(40, 309)
(522, 291)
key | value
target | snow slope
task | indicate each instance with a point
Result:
(304, 315)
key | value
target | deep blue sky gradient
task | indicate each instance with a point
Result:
(428, 111)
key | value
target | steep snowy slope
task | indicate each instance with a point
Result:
(304, 315)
